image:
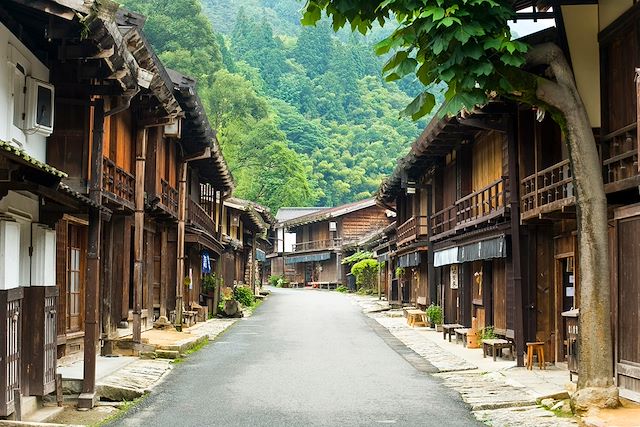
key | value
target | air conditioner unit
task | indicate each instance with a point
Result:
(333, 226)
(39, 107)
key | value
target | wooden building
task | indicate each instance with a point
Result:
(142, 190)
(476, 191)
(320, 237)
(245, 233)
(283, 240)
(455, 238)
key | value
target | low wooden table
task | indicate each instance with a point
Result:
(461, 334)
(449, 328)
(416, 318)
(496, 345)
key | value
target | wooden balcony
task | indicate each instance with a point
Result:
(444, 222)
(118, 183)
(412, 229)
(620, 167)
(472, 210)
(197, 216)
(169, 197)
(546, 191)
(317, 245)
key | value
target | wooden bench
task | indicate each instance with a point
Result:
(496, 345)
(189, 317)
(448, 329)
(416, 318)
(461, 334)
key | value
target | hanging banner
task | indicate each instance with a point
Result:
(206, 262)
(453, 276)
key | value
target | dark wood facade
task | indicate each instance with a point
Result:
(323, 239)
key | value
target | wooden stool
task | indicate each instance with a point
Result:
(538, 347)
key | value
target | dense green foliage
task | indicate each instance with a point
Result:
(356, 257)
(366, 273)
(303, 116)
(466, 44)
(434, 313)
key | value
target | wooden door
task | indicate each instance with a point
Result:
(628, 325)
(76, 267)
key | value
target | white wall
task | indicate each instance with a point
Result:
(12, 51)
(285, 241)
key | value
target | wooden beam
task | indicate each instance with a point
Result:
(138, 241)
(88, 398)
(514, 203)
(182, 213)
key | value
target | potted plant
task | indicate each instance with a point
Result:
(434, 313)
(209, 284)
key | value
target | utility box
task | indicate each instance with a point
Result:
(571, 334)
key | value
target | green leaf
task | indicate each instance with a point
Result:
(436, 13)
(484, 68)
(395, 60)
(408, 66)
(462, 35)
(493, 44)
(420, 106)
(439, 45)
(515, 61)
(312, 14)
(448, 21)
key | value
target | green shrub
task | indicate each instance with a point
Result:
(244, 296)
(282, 283)
(487, 333)
(366, 272)
(209, 282)
(399, 272)
(434, 313)
(365, 291)
(274, 279)
(342, 288)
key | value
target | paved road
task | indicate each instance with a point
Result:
(306, 358)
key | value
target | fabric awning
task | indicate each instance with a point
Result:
(445, 257)
(383, 257)
(261, 255)
(409, 260)
(322, 256)
(484, 249)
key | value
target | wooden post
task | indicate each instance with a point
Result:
(254, 262)
(87, 398)
(164, 273)
(431, 271)
(182, 213)
(138, 241)
(514, 203)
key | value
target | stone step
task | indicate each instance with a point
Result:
(43, 414)
(29, 405)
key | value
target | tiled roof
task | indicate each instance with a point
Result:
(23, 157)
(288, 213)
(331, 213)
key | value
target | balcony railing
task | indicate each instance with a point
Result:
(412, 229)
(169, 197)
(444, 221)
(548, 190)
(199, 217)
(317, 245)
(620, 168)
(475, 208)
(117, 181)
(478, 206)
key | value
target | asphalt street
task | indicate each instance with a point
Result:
(305, 358)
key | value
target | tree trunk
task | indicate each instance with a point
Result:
(595, 375)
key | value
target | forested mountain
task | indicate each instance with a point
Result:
(303, 116)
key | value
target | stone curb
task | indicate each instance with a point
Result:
(32, 424)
